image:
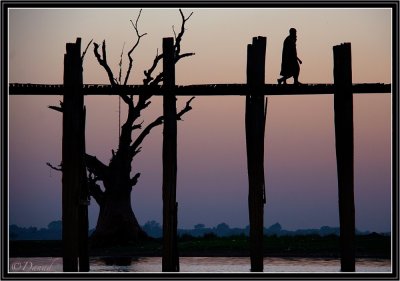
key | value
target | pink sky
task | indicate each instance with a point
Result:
(300, 164)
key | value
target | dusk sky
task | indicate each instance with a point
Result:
(300, 161)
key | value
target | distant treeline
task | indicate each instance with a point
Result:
(52, 232)
(154, 229)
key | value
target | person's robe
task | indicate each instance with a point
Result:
(290, 65)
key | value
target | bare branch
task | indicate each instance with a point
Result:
(87, 47)
(139, 36)
(133, 181)
(185, 109)
(137, 126)
(149, 80)
(183, 16)
(125, 138)
(173, 29)
(54, 168)
(103, 61)
(126, 99)
(96, 167)
(177, 58)
(120, 64)
(180, 35)
(155, 123)
(137, 20)
(137, 151)
(158, 79)
(56, 108)
(149, 72)
(144, 133)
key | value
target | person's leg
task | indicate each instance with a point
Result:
(296, 74)
(283, 79)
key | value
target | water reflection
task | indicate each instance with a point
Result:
(119, 261)
(202, 264)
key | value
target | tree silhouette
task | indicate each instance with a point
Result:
(116, 222)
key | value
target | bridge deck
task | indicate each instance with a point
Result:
(196, 90)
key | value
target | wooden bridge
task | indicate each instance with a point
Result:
(75, 220)
(197, 90)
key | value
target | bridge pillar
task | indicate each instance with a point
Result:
(255, 127)
(344, 134)
(74, 181)
(170, 257)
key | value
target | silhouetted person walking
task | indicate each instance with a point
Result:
(290, 62)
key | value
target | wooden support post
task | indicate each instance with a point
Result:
(74, 215)
(83, 203)
(344, 133)
(170, 257)
(255, 128)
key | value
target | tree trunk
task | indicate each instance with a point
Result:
(116, 224)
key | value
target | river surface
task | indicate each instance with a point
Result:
(201, 264)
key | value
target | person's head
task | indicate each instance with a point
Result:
(292, 34)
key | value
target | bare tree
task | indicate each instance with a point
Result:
(117, 222)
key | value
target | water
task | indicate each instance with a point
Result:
(201, 264)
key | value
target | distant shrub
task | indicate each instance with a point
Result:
(209, 235)
(199, 226)
(186, 237)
